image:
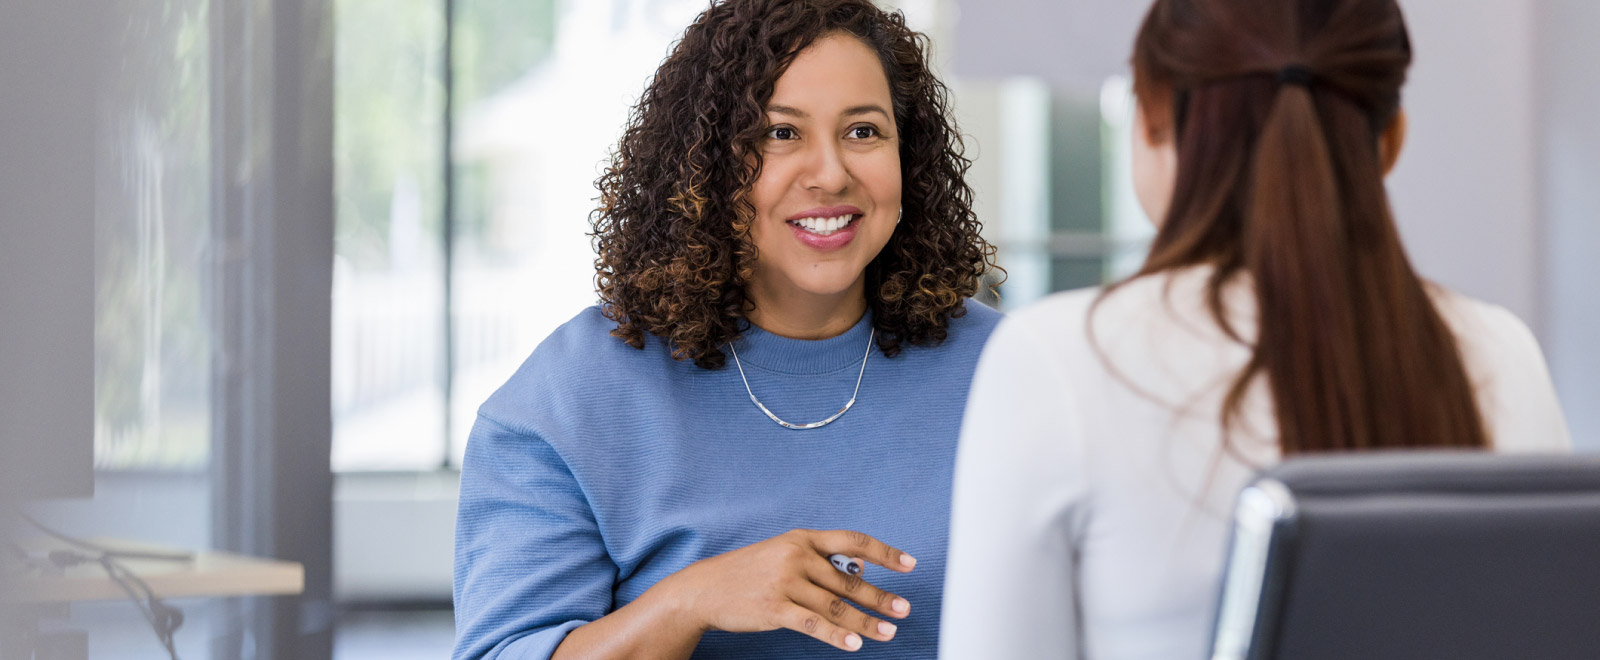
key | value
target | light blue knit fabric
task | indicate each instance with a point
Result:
(599, 469)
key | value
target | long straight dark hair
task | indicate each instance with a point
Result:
(1277, 107)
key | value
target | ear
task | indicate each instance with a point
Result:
(1393, 141)
(1154, 133)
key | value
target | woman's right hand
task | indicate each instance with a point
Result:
(787, 582)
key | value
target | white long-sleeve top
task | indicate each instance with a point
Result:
(1092, 488)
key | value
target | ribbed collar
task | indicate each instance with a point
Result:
(768, 351)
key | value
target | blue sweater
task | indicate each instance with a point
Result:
(599, 469)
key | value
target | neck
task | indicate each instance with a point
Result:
(790, 312)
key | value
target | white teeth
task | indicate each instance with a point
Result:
(824, 226)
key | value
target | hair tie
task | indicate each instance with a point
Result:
(1296, 74)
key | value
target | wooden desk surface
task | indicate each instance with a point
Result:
(207, 574)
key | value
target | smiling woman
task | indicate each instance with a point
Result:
(831, 173)
(744, 126)
(789, 193)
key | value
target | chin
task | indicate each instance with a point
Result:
(827, 284)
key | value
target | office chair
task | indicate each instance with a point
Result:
(1415, 556)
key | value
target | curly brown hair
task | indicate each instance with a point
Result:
(673, 227)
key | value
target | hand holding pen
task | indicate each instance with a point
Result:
(845, 564)
(798, 580)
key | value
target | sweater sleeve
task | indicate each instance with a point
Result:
(530, 564)
(1019, 499)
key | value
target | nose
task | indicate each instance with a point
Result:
(825, 170)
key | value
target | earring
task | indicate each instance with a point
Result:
(901, 216)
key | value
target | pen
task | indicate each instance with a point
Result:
(845, 564)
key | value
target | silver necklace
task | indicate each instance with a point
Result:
(813, 425)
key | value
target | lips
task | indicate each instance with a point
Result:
(825, 228)
(825, 212)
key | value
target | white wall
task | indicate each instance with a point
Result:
(394, 536)
(1569, 175)
(1075, 43)
(1465, 193)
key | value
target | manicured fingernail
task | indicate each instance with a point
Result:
(886, 629)
(907, 560)
(853, 641)
(901, 606)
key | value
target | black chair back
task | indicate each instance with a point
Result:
(1413, 556)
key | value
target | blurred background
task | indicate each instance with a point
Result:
(430, 163)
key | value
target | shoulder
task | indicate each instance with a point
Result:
(966, 332)
(1491, 339)
(1049, 328)
(1029, 352)
(1127, 303)
(1508, 373)
(1153, 336)
(1482, 324)
(976, 323)
(577, 359)
(1497, 348)
(584, 338)
(570, 353)
(1055, 313)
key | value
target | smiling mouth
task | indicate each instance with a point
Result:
(825, 226)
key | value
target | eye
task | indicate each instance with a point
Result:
(781, 133)
(863, 132)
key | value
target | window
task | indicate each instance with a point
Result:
(1051, 172)
(211, 256)
(153, 247)
(540, 92)
(534, 132)
(389, 284)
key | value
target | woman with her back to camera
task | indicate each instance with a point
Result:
(1109, 430)
(786, 251)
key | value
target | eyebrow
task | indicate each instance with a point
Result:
(849, 112)
(866, 110)
(786, 110)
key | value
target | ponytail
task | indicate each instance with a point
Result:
(1280, 179)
